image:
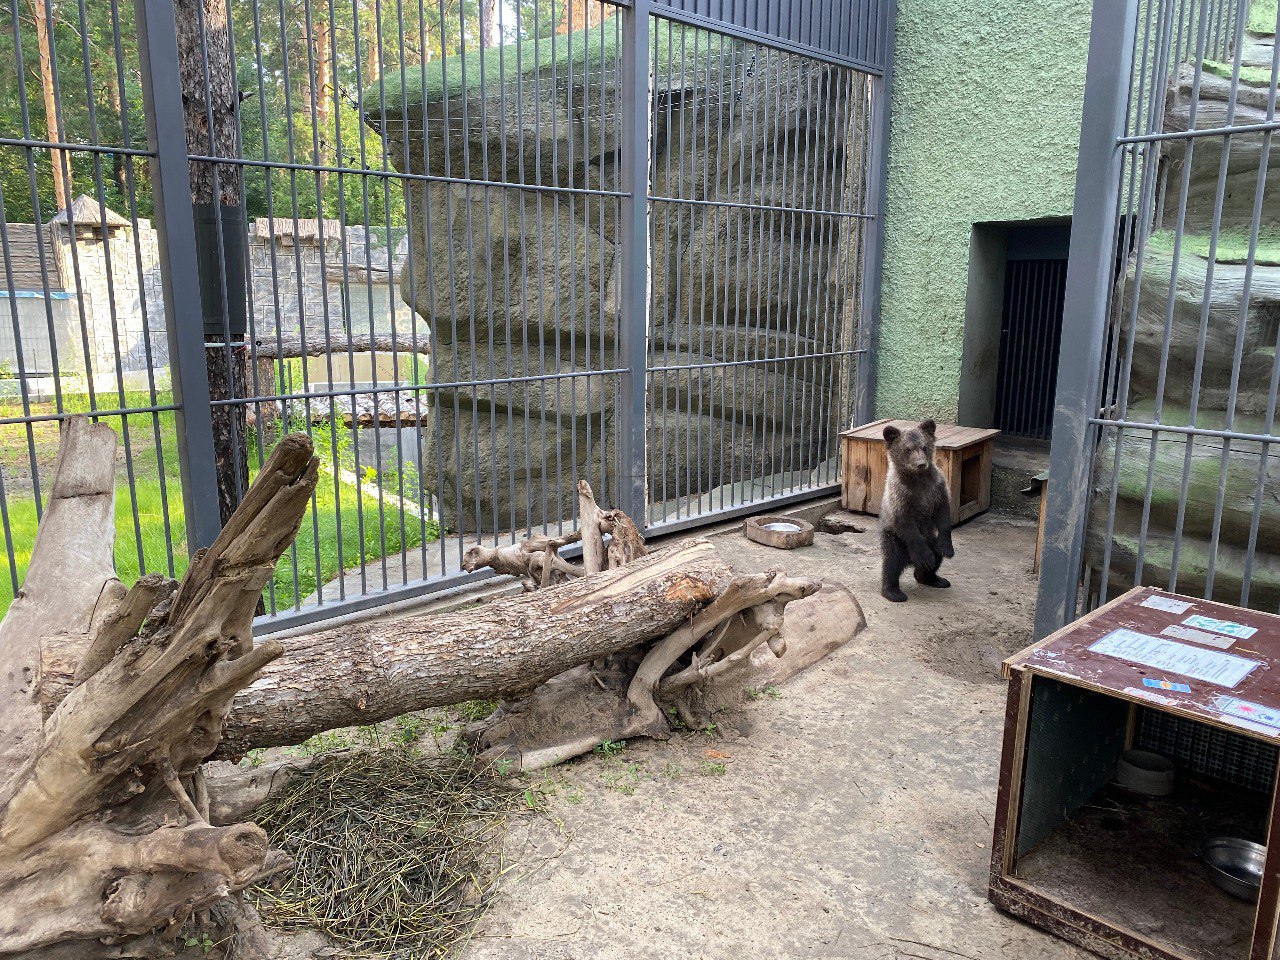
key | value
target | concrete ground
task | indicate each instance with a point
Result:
(849, 817)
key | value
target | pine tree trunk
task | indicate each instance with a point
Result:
(61, 174)
(210, 99)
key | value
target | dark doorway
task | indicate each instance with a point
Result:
(1035, 281)
(1013, 327)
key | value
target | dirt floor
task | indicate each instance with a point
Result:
(846, 814)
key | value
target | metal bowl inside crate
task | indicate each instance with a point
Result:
(1235, 865)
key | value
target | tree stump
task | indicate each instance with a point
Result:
(106, 849)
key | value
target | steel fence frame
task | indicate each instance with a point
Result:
(851, 37)
(1124, 192)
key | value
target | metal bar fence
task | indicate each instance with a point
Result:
(1164, 466)
(478, 253)
(760, 200)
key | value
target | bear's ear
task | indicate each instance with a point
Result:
(891, 433)
(929, 427)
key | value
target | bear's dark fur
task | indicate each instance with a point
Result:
(915, 512)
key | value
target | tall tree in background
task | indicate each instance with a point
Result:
(61, 174)
(210, 99)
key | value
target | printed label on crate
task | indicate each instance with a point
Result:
(1166, 685)
(1167, 604)
(1248, 710)
(1231, 629)
(1220, 669)
(1197, 636)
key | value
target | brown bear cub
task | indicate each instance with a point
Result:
(915, 513)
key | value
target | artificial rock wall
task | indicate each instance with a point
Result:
(525, 282)
(1232, 488)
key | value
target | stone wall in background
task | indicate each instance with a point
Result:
(94, 314)
(315, 276)
(105, 296)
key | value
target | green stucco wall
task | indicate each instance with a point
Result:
(985, 126)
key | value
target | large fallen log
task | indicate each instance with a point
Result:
(106, 849)
(361, 674)
(116, 697)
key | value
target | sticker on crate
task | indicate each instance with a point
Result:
(1167, 604)
(1211, 666)
(1166, 685)
(1227, 627)
(1248, 710)
(1198, 636)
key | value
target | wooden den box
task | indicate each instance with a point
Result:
(1113, 870)
(963, 455)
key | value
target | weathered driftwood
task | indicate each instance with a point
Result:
(604, 655)
(105, 845)
(746, 653)
(370, 672)
(109, 843)
(635, 690)
(536, 561)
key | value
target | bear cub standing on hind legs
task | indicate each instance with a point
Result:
(915, 512)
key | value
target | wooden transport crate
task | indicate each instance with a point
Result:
(963, 455)
(1117, 872)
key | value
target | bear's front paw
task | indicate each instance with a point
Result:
(947, 549)
(897, 596)
(925, 561)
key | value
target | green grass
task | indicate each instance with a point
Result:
(143, 546)
(1232, 247)
(431, 82)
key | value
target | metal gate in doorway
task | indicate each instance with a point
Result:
(478, 249)
(1165, 467)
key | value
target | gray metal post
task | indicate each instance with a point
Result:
(634, 349)
(1090, 273)
(864, 408)
(175, 228)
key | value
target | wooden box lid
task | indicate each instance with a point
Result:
(949, 436)
(1207, 661)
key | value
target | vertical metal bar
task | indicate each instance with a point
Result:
(175, 227)
(634, 121)
(688, 103)
(1084, 323)
(873, 239)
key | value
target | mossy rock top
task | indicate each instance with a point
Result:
(579, 53)
(1262, 17)
(1232, 246)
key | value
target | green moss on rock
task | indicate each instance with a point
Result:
(1262, 17)
(579, 53)
(1232, 246)
(1254, 76)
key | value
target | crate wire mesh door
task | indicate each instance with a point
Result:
(1172, 419)
(408, 232)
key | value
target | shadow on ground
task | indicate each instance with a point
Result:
(847, 814)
